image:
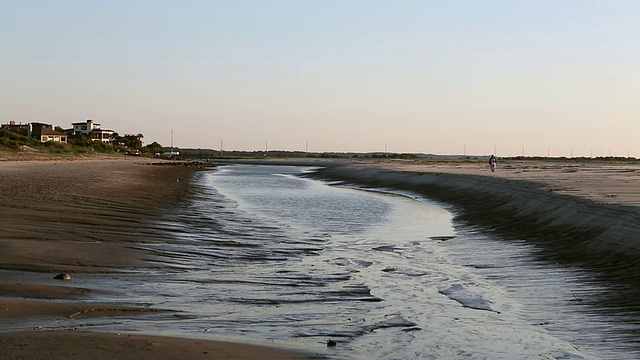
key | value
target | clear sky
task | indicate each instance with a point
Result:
(534, 77)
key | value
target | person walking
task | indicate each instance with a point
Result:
(492, 163)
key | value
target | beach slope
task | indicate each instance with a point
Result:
(550, 207)
(90, 216)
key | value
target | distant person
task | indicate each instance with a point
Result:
(492, 163)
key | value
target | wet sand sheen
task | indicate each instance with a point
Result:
(87, 217)
(599, 235)
(85, 345)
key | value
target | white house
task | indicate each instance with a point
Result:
(84, 128)
(92, 128)
(104, 135)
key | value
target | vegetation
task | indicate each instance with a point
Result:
(17, 141)
(11, 141)
(200, 154)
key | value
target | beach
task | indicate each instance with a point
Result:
(592, 205)
(86, 217)
(577, 214)
(603, 182)
(93, 216)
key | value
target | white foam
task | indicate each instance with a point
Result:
(467, 297)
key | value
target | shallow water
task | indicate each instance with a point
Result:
(261, 253)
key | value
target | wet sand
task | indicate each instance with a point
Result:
(583, 214)
(86, 345)
(87, 216)
(600, 200)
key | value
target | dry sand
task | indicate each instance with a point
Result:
(86, 217)
(602, 182)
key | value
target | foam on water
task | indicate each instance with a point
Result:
(467, 298)
(369, 234)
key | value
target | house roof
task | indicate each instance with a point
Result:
(101, 131)
(14, 126)
(50, 132)
(85, 123)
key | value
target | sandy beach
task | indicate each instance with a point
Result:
(86, 217)
(602, 182)
(583, 214)
(91, 216)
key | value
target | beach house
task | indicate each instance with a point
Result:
(45, 132)
(36, 130)
(17, 128)
(93, 130)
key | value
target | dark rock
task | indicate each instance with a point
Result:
(62, 277)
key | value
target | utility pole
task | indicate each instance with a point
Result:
(171, 154)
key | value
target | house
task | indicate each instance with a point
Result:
(18, 128)
(104, 135)
(40, 131)
(45, 132)
(84, 128)
(48, 134)
(93, 130)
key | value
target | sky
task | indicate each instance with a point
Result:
(534, 78)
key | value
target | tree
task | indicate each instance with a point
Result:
(154, 148)
(116, 141)
(133, 142)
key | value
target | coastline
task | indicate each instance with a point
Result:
(92, 216)
(87, 216)
(556, 208)
(514, 203)
(603, 182)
